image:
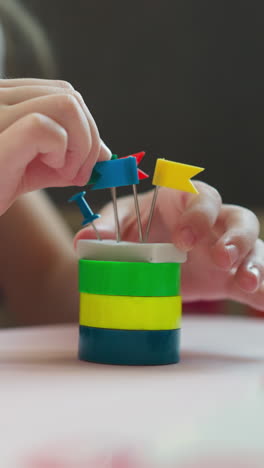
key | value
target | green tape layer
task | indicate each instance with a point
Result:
(129, 278)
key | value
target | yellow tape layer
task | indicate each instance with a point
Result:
(130, 313)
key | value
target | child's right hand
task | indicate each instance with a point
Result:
(48, 138)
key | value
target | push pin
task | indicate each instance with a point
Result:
(112, 174)
(89, 216)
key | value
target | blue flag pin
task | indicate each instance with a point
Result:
(88, 214)
(115, 173)
(112, 174)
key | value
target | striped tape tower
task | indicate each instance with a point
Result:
(130, 311)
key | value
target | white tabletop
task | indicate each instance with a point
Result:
(206, 411)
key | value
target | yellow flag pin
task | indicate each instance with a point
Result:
(175, 175)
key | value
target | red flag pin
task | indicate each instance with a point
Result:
(141, 175)
(139, 156)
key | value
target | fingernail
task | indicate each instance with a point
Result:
(105, 152)
(186, 238)
(251, 283)
(254, 270)
(233, 253)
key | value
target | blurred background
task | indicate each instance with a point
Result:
(179, 79)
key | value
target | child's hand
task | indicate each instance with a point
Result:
(48, 138)
(225, 259)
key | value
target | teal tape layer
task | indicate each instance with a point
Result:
(129, 278)
(129, 348)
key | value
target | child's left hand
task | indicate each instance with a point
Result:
(226, 257)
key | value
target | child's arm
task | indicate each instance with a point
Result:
(38, 267)
(48, 138)
(226, 258)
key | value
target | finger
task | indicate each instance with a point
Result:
(67, 112)
(250, 273)
(198, 214)
(251, 298)
(15, 95)
(104, 152)
(21, 167)
(12, 83)
(240, 230)
(83, 175)
(98, 151)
